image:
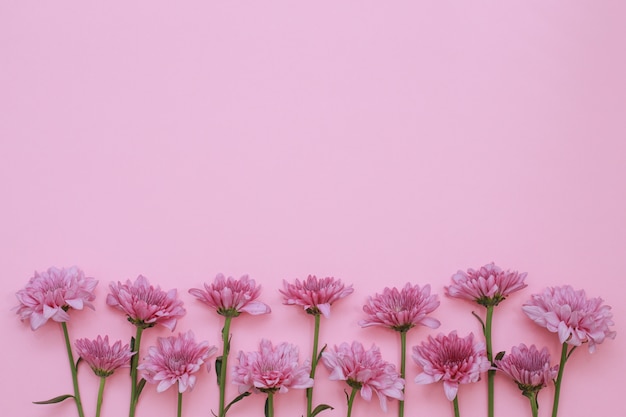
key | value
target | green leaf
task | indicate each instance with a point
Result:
(55, 399)
(237, 399)
(482, 323)
(319, 356)
(140, 386)
(321, 408)
(132, 344)
(80, 359)
(218, 369)
(347, 396)
(267, 407)
(499, 356)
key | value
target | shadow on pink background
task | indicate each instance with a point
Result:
(377, 142)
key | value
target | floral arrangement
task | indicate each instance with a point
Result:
(451, 359)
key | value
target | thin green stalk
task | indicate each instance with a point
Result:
(70, 357)
(534, 405)
(309, 391)
(134, 361)
(224, 367)
(402, 368)
(351, 401)
(100, 395)
(559, 378)
(180, 404)
(270, 404)
(491, 373)
(455, 402)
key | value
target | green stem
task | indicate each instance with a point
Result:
(70, 357)
(534, 405)
(559, 378)
(351, 401)
(491, 373)
(223, 366)
(455, 402)
(100, 395)
(402, 368)
(180, 404)
(270, 404)
(134, 361)
(309, 391)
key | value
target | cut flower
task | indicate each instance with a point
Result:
(315, 295)
(528, 367)
(230, 297)
(103, 358)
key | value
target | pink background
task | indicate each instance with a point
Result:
(378, 142)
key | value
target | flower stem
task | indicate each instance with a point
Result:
(491, 373)
(270, 404)
(309, 391)
(557, 383)
(455, 402)
(70, 357)
(534, 405)
(134, 361)
(100, 395)
(351, 401)
(223, 366)
(402, 369)
(180, 404)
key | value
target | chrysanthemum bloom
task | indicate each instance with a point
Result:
(271, 369)
(401, 310)
(572, 315)
(146, 305)
(487, 286)
(176, 359)
(229, 297)
(103, 358)
(50, 294)
(315, 295)
(528, 367)
(451, 359)
(365, 371)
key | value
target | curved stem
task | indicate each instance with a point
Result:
(270, 404)
(180, 404)
(134, 361)
(309, 391)
(70, 357)
(100, 395)
(402, 369)
(491, 373)
(559, 378)
(351, 401)
(223, 366)
(455, 402)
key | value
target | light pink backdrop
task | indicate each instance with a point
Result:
(379, 142)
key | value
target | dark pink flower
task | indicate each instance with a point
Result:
(230, 297)
(528, 367)
(271, 369)
(487, 286)
(315, 295)
(146, 305)
(572, 315)
(364, 370)
(401, 310)
(175, 360)
(50, 294)
(451, 359)
(103, 358)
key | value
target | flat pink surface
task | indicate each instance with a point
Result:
(378, 142)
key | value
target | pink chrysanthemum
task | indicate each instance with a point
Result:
(401, 310)
(271, 369)
(50, 294)
(103, 358)
(572, 315)
(451, 359)
(174, 360)
(315, 295)
(364, 370)
(528, 367)
(487, 286)
(146, 305)
(229, 297)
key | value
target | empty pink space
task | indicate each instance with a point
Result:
(377, 142)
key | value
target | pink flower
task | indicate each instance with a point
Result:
(528, 367)
(229, 297)
(569, 313)
(271, 369)
(175, 360)
(50, 294)
(146, 305)
(364, 370)
(315, 295)
(487, 286)
(101, 357)
(401, 310)
(450, 359)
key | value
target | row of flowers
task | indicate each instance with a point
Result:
(450, 359)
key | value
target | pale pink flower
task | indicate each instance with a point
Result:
(364, 370)
(103, 358)
(451, 359)
(146, 305)
(176, 359)
(487, 286)
(271, 369)
(528, 367)
(572, 315)
(229, 297)
(401, 310)
(50, 294)
(315, 295)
